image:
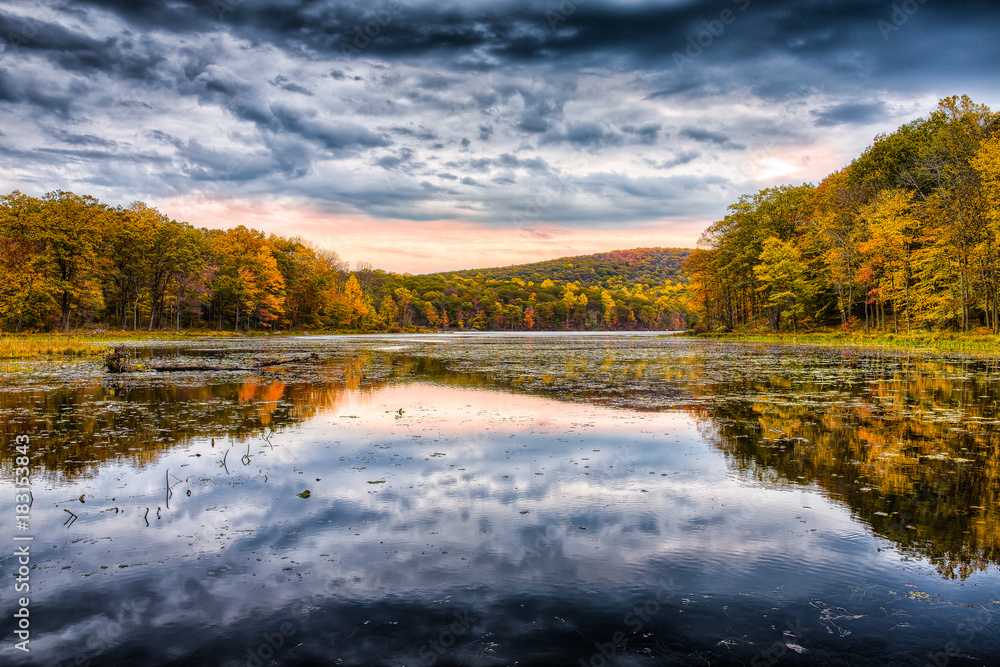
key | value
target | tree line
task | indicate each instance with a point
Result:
(904, 238)
(69, 261)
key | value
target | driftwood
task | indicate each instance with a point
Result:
(118, 361)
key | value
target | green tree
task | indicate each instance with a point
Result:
(783, 282)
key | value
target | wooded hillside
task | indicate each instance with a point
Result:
(70, 261)
(650, 266)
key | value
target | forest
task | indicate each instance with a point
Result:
(70, 262)
(903, 239)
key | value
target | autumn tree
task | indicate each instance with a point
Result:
(247, 278)
(783, 281)
(25, 294)
(71, 231)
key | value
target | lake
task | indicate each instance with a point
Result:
(489, 499)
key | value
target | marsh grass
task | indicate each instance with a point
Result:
(22, 346)
(47, 345)
(971, 343)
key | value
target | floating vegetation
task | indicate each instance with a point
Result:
(874, 429)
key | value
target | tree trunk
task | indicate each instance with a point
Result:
(906, 287)
(65, 311)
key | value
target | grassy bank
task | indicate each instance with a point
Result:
(22, 346)
(972, 342)
(47, 345)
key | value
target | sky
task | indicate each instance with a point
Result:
(428, 135)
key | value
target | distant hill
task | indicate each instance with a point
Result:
(650, 266)
(642, 288)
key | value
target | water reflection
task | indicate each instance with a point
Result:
(909, 443)
(449, 493)
(94, 420)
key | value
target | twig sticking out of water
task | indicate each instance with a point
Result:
(71, 520)
(169, 490)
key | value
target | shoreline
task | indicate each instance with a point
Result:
(32, 345)
(966, 343)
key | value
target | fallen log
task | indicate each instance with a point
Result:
(118, 361)
(258, 365)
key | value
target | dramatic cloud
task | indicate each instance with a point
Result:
(523, 122)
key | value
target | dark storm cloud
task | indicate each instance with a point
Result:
(425, 134)
(81, 139)
(73, 51)
(849, 113)
(699, 134)
(646, 134)
(675, 161)
(702, 135)
(584, 135)
(507, 161)
(397, 159)
(18, 89)
(332, 135)
(205, 164)
(649, 33)
(327, 100)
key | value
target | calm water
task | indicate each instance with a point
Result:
(500, 500)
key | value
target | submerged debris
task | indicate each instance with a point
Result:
(118, 360)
